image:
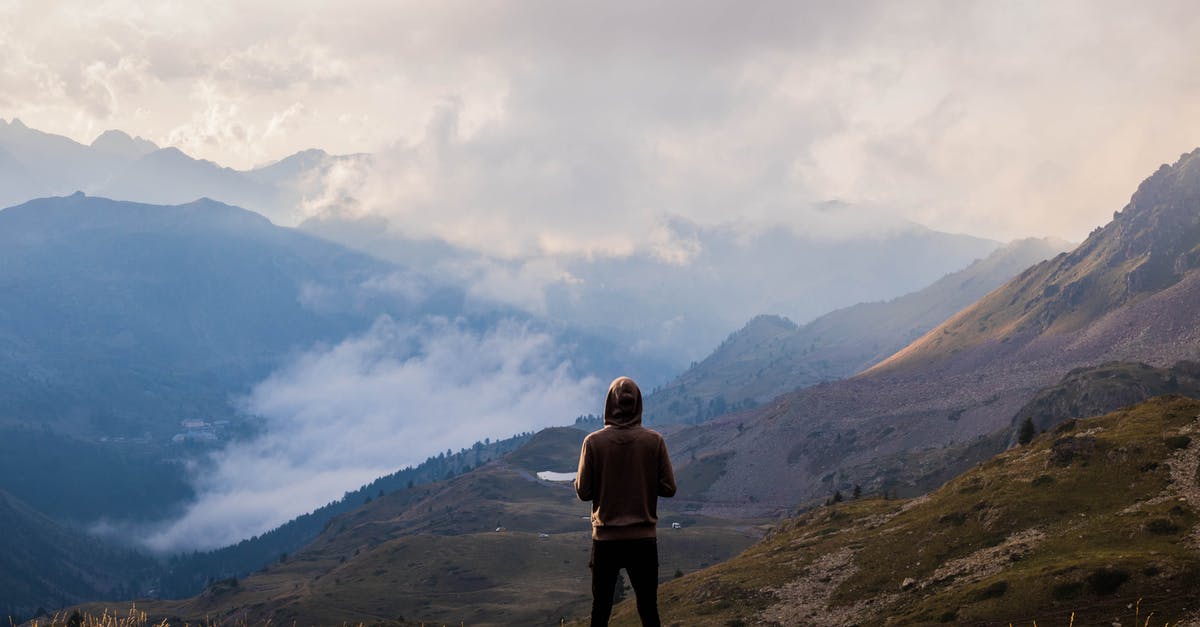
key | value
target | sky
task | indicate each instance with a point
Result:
(558, 125)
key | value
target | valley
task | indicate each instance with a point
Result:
(870, 466)
(494, 545)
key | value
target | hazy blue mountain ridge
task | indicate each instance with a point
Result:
(122, 318)
(46, 565)
(666, 311)
(36, 164)
(771, 355)
(675, 312)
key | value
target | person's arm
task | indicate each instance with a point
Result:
(666, 476)
(583, 477)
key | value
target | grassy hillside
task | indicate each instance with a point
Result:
(1088, 520)
(186, 575)
(432, 553)
(44, 565)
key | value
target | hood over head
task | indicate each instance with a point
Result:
(623, 407)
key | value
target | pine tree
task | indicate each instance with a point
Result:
(1025, 435)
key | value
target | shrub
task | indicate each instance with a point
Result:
(1041, 481)
(1162, 527)
(954, 518)
(1066, 591)
(994, 591)
(1067, 449)
(1105, 581)
(1066, 425)
(1027, 431)
(1177, 442)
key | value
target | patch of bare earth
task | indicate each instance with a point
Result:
(1184, 465)
(1185, 468)
(805, 601)
(986, 562)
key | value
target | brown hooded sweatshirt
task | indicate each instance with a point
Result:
(624, 468)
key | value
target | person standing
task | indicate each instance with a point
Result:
(623, 469)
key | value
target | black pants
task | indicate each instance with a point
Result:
(639, 558)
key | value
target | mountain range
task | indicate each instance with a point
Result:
(1109, 322)
(163, 312)
(948, 399)
(35, 164)
(772, 355)
(169, 314)
(1086, 518)
(671, 310)
(674, 310)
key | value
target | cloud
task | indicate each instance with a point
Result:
(950, 116)
(339, 417)
(574, 127)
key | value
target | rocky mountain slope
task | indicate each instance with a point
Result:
(1128, 293)
(1098, 521)
(1128, 287)
(1101, 389)
(771, 355)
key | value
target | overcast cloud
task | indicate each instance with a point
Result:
(339, 417)
(555, 126)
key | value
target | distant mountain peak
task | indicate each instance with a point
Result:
(770, 321)
(172, 152)
(1148, 247)
(1156, 237)
(120, 143)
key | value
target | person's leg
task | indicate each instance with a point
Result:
(642, 564)
(605, 568)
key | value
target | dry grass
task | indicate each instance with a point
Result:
(134, 618)
(1030, 534)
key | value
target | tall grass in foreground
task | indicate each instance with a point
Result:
(1137, 611)
(135, 618)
